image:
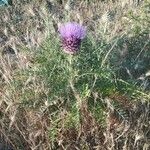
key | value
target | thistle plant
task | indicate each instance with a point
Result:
(71, 34)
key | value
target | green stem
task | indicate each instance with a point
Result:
(71, 81)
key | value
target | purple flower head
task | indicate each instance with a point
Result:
(71, 34)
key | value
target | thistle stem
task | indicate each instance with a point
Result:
(71, 82)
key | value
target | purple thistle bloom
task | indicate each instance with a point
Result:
(71, 34)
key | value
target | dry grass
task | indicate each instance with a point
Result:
(103, 108)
